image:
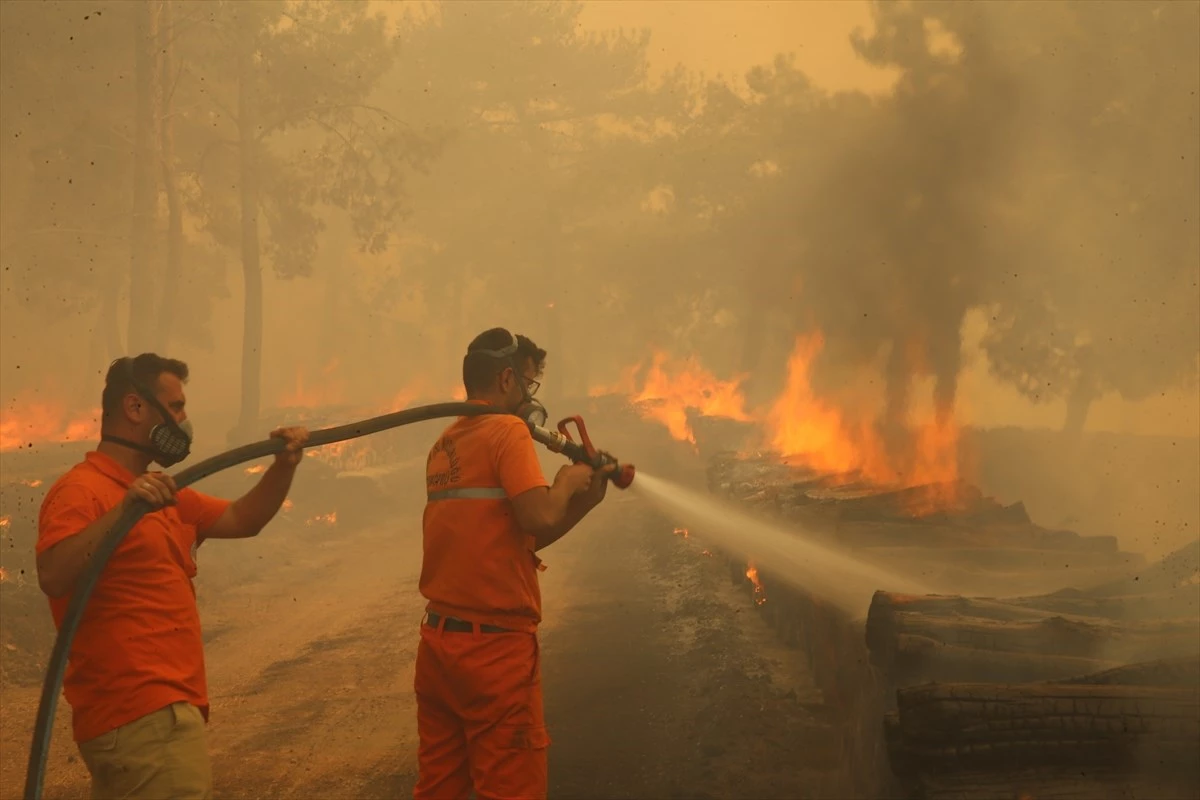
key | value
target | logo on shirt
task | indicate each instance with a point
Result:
(442, 467)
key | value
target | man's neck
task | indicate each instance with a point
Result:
(132, 460)
(497, 402)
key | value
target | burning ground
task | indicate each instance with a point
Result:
(853, 441)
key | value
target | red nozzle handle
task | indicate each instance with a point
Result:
(622, 477)
(581, 429)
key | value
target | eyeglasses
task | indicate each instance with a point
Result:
(531, 385)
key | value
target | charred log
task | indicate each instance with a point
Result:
(957, 727)
(958, 639)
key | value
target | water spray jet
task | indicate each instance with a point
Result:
(839, 577)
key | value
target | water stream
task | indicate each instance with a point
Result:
(788, 553)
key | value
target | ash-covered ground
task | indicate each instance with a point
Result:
(660, 679)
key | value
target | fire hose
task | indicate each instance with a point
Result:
(559, 441)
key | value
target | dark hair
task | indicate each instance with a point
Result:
(125, 374)
(479, 369)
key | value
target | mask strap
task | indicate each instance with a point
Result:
(509, 354)
(141, 448)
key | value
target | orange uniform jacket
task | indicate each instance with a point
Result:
(478, 564)
(138, 648)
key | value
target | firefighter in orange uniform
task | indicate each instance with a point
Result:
(478, 676)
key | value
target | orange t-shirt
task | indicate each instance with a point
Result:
(138, 647)
(478, 564)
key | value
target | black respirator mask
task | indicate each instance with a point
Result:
(530, 410)
(170, 441)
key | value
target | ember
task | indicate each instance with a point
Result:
(325, 519)
(681, 532)
(760, 596)
(255, 469)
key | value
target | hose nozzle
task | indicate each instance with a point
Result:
(560, 441)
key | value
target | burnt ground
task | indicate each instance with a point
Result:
(661, 680)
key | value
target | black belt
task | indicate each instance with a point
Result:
(453, 625)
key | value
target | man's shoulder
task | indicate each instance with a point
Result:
(81, 478)
(486, 424)
(81, 485)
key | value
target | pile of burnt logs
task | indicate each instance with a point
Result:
(1088, 692)
(947, 535)
(1128, 732)
(920, 639)
(1080, 693)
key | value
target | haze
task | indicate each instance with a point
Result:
(935, 246)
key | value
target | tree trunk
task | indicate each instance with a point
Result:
(110, 327)
(1083, 393)
(1079, 403)
(168, 307)
(339, 246)
(141, 278)
(754, 339)
(252, 330)
(106, 335)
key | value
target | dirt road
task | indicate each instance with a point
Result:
(661, 682)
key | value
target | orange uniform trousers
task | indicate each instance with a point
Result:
(479, 715)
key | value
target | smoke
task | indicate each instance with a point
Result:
(896, 226)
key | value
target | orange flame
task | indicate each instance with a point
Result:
(3, 575)
(760, 596)
(681, 532)
(5, 521)
(256, 469)
(327, 519)
(669, 390)
(803, 427)
(287, 505)
(24, 423)
(32, 484)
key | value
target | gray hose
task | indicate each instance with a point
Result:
(35, 776)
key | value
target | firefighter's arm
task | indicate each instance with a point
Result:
(578, 507)
(546, 513)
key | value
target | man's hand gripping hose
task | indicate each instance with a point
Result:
(56, 668)
(560, 441)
